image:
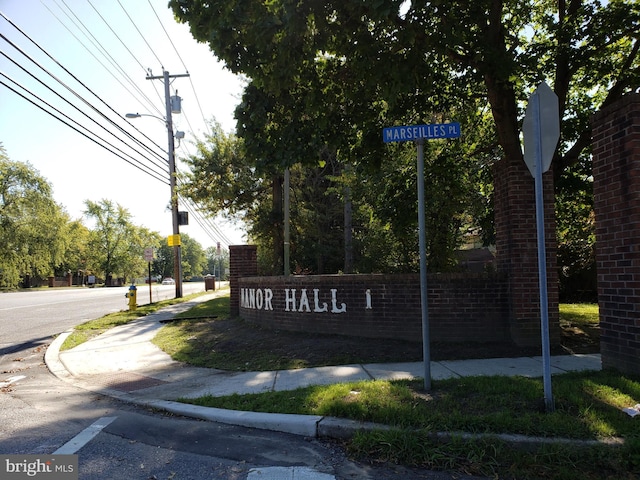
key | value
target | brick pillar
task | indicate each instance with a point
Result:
(616, 190)
(517, 250)
(243, 262)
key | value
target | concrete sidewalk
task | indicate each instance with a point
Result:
(123, 363)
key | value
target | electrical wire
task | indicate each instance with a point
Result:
(207, 225)
(140, 33)
(104, 52)
(82, 84)
(82, 133)
(78, 96)
(195, 94)
(126, 48)
(74, 121)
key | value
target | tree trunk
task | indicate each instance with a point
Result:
(348, 231)
(278, 224)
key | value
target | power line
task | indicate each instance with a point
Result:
(78, 96)
(80, 82)
(195, 94)
(80, 132)
(98, 46)
(140, 33)
(70, 119)
(145, 164)
(126, 48)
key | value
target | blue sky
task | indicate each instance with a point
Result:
(109, 45)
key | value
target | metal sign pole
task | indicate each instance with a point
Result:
(150, 299)
(542, 257)
(418, 134)
(426, 354)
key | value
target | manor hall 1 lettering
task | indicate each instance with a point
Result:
(293, 301)
(256, 298)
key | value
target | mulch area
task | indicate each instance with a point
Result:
(231, 336)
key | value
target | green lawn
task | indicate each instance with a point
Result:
(585, 314)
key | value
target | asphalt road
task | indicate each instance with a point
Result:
(40, 414)
(35, 315)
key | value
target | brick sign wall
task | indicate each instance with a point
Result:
(469, 307)
(616, 189)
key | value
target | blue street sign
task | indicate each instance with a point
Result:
(420, 133)
(416, 132)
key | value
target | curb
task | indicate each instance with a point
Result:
(306, 425)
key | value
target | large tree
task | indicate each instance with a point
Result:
(334, 73)
(111, 238)
(32, 225)
(194, 260)
(432, 50)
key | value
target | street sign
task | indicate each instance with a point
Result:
(416, 132)
(173, 240)
(541, 127)
(148, 254)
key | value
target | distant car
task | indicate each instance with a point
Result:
(168, 281)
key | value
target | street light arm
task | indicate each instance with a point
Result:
(138, 115)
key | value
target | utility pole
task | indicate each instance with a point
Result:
(175, 239)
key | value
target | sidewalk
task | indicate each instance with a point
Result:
(123, 363)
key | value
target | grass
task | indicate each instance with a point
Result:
(588, 407)
(235, 345)
(88, 330)
(582, 314)
(588, 404)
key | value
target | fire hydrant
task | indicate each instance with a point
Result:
(132, 295)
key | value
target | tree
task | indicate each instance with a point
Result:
(133, 263)
(32, 225)
(111, 239)
(76, 251)
(499, 48)
(194, 260)
(382, 59)
(217, 262)
(163, 261)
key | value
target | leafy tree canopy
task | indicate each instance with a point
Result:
(32, 225)
(325, 77)
(433, 51)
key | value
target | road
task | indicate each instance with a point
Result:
(40, 414)
(32, 317)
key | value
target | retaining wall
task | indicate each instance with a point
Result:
(462, 307)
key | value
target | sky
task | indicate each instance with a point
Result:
(110, 46)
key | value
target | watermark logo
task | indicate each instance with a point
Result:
(49, 467)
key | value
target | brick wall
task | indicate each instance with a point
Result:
(616, 172)
(242, 263)
(462, 307)
(517, 249)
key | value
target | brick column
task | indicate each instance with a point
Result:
(616, 190)
(243, 262)
(517, 249)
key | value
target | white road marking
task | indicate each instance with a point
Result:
(84, 437)
(287, 473)
(11, 380)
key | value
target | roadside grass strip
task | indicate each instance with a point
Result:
(91, 329)
(599, 439)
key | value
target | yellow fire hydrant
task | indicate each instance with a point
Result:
(132, 295)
